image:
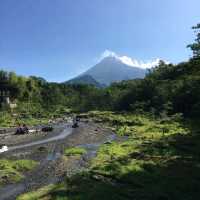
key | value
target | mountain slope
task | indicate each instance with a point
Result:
(111, 69)
(85, 79)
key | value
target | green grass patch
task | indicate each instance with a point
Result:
(12, 171)
(6, 119)
(44, 193)
(24, 115)
(74, 151)
(139, 125)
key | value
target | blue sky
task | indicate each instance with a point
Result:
(58, 39)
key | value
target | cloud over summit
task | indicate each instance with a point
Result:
(130, 61)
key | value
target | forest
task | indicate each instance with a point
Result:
(166, 90)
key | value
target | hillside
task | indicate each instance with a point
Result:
(111, 69)
(85, 79)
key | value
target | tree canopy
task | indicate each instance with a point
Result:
(167, 89)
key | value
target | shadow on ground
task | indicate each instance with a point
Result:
(166, 169)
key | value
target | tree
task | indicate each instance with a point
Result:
(195, 47)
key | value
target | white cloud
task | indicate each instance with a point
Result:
(130, 61)
(108, 53)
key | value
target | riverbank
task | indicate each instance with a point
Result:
(159, 159)
(53, 164)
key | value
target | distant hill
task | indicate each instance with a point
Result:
(85, 79)
(109, 70)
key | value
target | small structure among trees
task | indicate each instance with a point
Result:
(7, 89)
(5, 95)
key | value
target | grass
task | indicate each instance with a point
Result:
(29, 117)
(7, 120)
(159, 161)
(74, 151)
(134, 125)
(44, 193)
(31, 121)
(12, 171)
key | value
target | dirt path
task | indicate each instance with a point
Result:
(48, 151)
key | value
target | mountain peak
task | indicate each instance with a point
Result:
(110, 59)
(131, 62)
(113, 69)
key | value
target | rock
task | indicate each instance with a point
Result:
(47, 129)
(2, 131)
(3, 149)
(108, 142)
(42, 149)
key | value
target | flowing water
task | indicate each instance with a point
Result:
(67, 131)
(12, 190)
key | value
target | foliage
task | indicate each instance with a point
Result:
(12, 171)
(148, 165)
(43, 193)
(195, 47)
(166, 90)
(74, 151)
(5, 119)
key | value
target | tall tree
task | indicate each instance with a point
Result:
(195, 47)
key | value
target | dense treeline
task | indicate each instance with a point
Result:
(167, 89)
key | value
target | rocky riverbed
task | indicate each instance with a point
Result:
(48, 150)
